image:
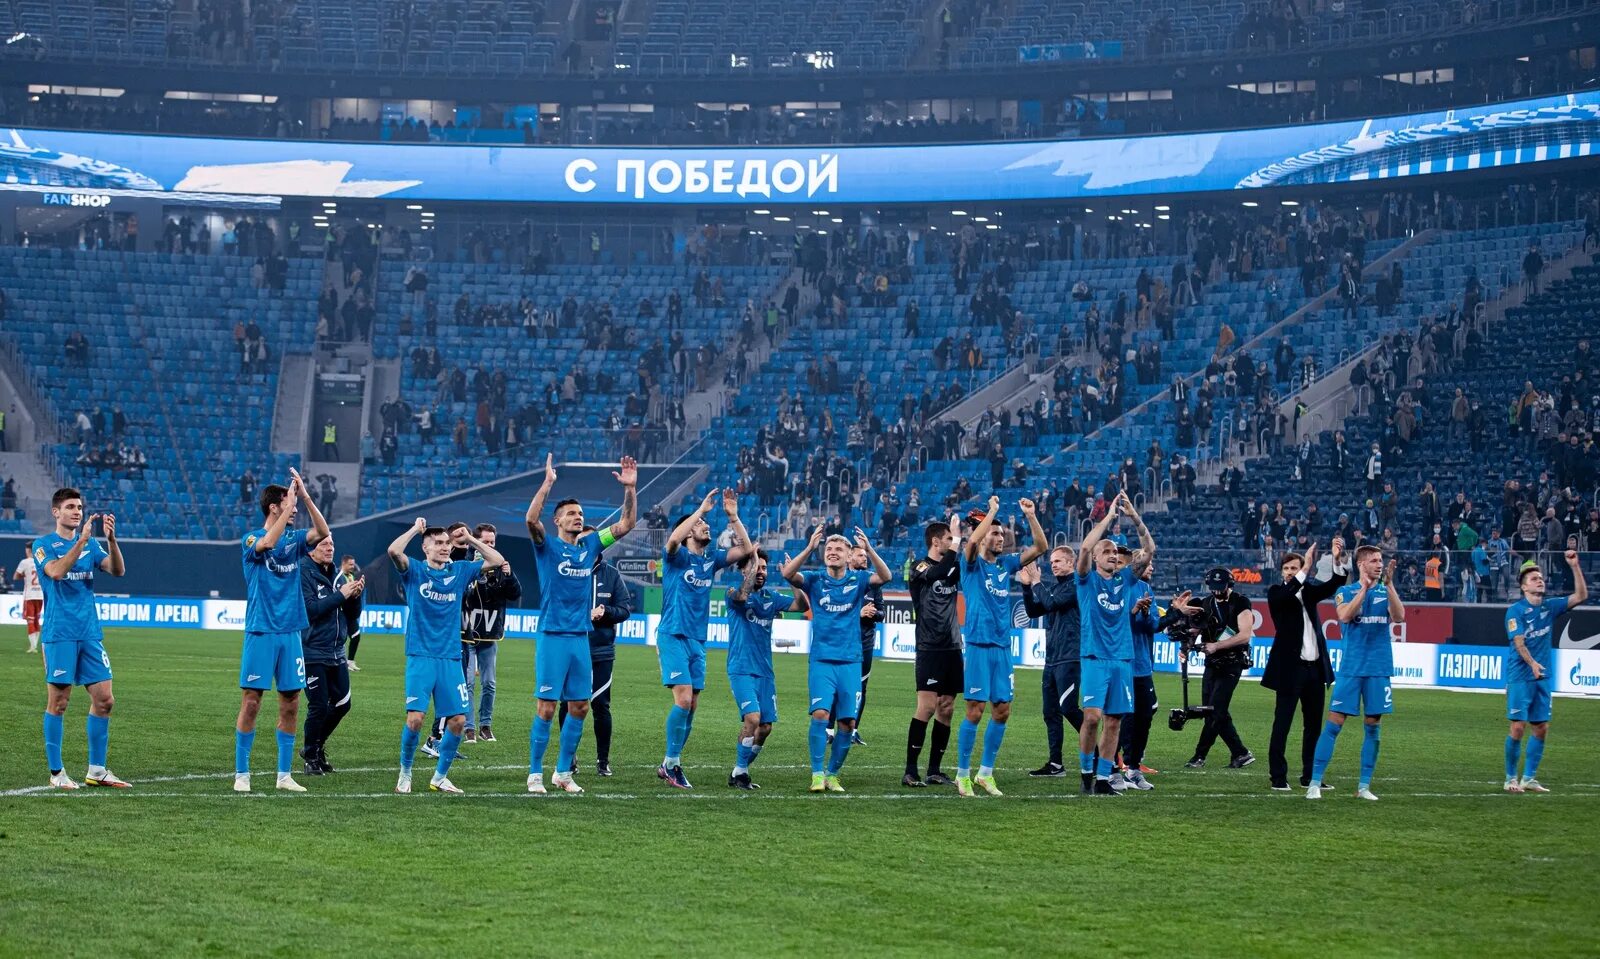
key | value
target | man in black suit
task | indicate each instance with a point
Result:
(1297, 667)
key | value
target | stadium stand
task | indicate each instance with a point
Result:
(162, 370)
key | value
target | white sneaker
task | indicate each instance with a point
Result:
(1364, 793)
(430, 748)
(1513, 785)
(1136, 780)
(404, 784)
(287, 784)
(104, 777)
(442, 784)
(987, 784)
(241, 782)
(1530, 785)
(1314, 791)
(61, 780)
(536, 783)
(563, 782)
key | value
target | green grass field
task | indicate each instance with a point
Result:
(1209, 864)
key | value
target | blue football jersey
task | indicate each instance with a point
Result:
(566, 582)
(69, 612)
(273, 603)
(1534, 624)
(750, 631)
(1143, 626)
(1368, 647)
(836, 613)
(686, 591)
(1104, 604)
(433, 606)
(986, 588)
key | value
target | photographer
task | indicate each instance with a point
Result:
(1224, 623)
(483, 625)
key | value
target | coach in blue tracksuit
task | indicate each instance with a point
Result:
(322, 643)
(613, 604)
(1057, 602)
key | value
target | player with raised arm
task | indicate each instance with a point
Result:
(274, 616)
(833, 678)
(1366, 609)
(935, 582)
(751, 609)
(1105, 600)
(562, 668)
(688, 565)
(74, 648)
(1530, 664)
(433, 591)
(986, 573)
(32, 598)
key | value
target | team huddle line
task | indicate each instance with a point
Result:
(1101, 620)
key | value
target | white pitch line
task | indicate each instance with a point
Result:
(771, 796)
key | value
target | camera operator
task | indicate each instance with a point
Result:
(1225, 624)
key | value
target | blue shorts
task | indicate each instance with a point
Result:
(272, 657)
(835, 688)
(755, 694)
(439, 680)
(986, 671)
(1107, 686)
(76, 664)
(683, 661)
(1362, 695)
(1528, 700)
(562, 669)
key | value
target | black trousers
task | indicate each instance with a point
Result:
(327, 702)
(1059, 689)
(599, 710)
(1308, 694)
(1136, 728)
(1216, 691)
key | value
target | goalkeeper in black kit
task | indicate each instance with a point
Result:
(935, 583)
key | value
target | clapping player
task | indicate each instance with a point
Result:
(274, 616)
(74, 648)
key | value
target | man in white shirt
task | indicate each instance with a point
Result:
(1298, 669)
(32, 599)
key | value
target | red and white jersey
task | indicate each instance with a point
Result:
(30, 579)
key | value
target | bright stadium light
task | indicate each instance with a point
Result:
(992, 226)
(1251, 203)
(413, 206)
(980, 219)
(780, 219)
(836, 220)
(958, 212)
(1163, 208)
(760, 212)
(1291, 203)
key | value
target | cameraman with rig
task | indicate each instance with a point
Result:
(1221, 624)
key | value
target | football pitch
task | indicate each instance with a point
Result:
(1211, 863)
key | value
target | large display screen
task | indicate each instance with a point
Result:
(1469, 138)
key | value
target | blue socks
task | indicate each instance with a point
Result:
(1369, 753)
(1513, 755)
(1535, 753)
(688, 727)
(992, 737)
(571, 735)
(52, 741)
(817, 739)
(1086, 763)
(98, 730)
(538, 744)
(747, 753)
(285, 752)
(678, 720)
(1102, 768)
(449, 743)
(242, 744)
(1324, 753)
(841, 749)
(409, 738)
(966, 737)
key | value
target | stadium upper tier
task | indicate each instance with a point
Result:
(679, 37)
